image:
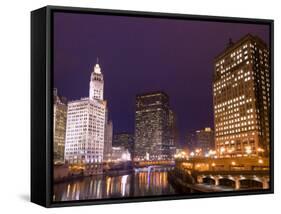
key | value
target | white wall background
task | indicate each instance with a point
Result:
(15, 107)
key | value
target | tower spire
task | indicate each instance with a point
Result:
(97, 68)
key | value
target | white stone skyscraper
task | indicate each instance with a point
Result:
(96, 84)
(85, 130)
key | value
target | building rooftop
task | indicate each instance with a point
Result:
(233, 45)
(151, 94)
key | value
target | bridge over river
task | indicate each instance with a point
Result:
(222, 174)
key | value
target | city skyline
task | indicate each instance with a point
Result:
(151, 78)
(158, 52)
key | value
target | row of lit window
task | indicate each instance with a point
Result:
(233, 85)
(83, 106)
(230, 120)
(75, 135)
(232, 108)
(237, 125)
(75, 141)
(77, 131)
(235, 136)
(234, 92)
(83, 143)
(74, 127)
(234, 100)
(84, 119)
(236, 52)
(239, 52)
(94, 132)
(94, 150)
(235, 131)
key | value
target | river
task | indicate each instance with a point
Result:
(154, 183)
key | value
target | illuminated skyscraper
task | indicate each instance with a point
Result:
(59, 127)
(241, 97)
(86, 122)
(152, 128)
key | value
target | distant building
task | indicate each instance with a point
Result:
(120, 153)
(241, 97)
(205, 140)
(190, 141)
(59, 126)
(173, 132)
(152, 127)
(108, 135)
(86, 122)
(202, 140)
(125, 140)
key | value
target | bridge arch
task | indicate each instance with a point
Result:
(254, 182)
(250, 183)
(228, 182)
(235, 182)
(209, 180)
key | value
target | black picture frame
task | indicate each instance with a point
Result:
(41, 103)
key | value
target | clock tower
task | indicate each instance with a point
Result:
(96, 83)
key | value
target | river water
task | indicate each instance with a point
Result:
(134, 184)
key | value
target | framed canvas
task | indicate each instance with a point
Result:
(133, 106)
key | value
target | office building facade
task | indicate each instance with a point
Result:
(152, 129)
(241, 97)
(59, 126)
(86, 122)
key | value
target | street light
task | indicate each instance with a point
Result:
(248, 150)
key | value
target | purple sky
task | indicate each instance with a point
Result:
(140, 55)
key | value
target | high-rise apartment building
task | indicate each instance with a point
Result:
(59, 126)
(152, 128)
(241, 97)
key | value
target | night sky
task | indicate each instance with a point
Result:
(139, 55)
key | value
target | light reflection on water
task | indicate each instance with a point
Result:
(130, 185)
